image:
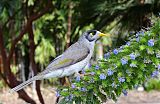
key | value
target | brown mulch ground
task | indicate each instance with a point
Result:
(134, 97)
(8, 98)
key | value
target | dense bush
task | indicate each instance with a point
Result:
(152, 84)
(122, 69)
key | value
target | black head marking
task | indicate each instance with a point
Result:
(89, 35)
(92, 32)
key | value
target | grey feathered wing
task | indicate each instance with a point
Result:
(75, 53)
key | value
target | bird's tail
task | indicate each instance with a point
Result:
(24, 84)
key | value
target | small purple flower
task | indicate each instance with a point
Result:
(102, 76)
(157, 55)
(73, 86)
(92, 80)
(147, 61)
(68, 98)
(155, 73)
(129, 72)
(124, 61)
(113, 84)
(137, 39)
(121, 79)
(115, 51)
(132, 56)
(89, 65)
(92, 73)
(106, 55)
(83, 71)
(128, 43)
(97, 67)
(78, 78)
(142, 33)
(83, 89)
(125, 92)
(57, 94)
(115, 65)
(121, 48)
(110, 72)
(133, 65)
(137, 34)
(158, 67)
(132, 32)
(151, 42)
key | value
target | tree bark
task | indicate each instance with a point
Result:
(69, 24)
(32, 60)
(8, 77)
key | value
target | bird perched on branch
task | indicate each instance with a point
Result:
(73, 60)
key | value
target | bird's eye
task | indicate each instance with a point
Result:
(91, 34)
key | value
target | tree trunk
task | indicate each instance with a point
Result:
(8, 76)
(69, 24)
(32, 60)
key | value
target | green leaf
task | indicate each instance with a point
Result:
(142, 47)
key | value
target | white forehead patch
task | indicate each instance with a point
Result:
(98, 32)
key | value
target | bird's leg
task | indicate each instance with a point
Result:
(81, 75)
(67, 82)
(76, 74)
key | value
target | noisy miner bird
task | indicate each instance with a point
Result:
(73, 60)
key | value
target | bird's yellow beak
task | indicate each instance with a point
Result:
(102, 34)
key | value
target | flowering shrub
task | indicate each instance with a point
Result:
(120, 70)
